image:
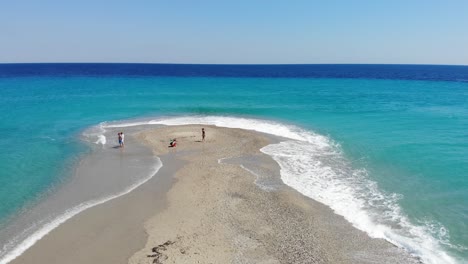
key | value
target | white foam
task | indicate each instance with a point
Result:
(328, 178)
(101, 140)
(96, 134)
(315, 166)
(47, 227)
(119, 124)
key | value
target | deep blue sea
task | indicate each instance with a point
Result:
(386, 146)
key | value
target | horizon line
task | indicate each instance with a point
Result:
(235, 64)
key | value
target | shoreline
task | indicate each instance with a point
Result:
(228, 206)
(99, 177)
(101, 224)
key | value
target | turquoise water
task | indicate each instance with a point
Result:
(410, 136)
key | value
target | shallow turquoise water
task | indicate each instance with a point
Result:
(411, 136)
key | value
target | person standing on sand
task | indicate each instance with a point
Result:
(203, 134)
(122, 138)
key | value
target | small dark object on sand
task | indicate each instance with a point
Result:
(158, 256)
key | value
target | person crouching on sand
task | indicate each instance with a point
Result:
(173, 143)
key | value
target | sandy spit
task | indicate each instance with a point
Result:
(200, 210)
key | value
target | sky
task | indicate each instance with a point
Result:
(235, 31)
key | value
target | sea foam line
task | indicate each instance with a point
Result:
(315, 166)
(47, 228)
(347, 191)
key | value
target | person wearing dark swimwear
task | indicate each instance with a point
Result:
(120, 139)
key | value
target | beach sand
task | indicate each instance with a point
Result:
(203, 208)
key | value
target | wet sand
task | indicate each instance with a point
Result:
(200, 210)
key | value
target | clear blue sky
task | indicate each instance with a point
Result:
(235, 31)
